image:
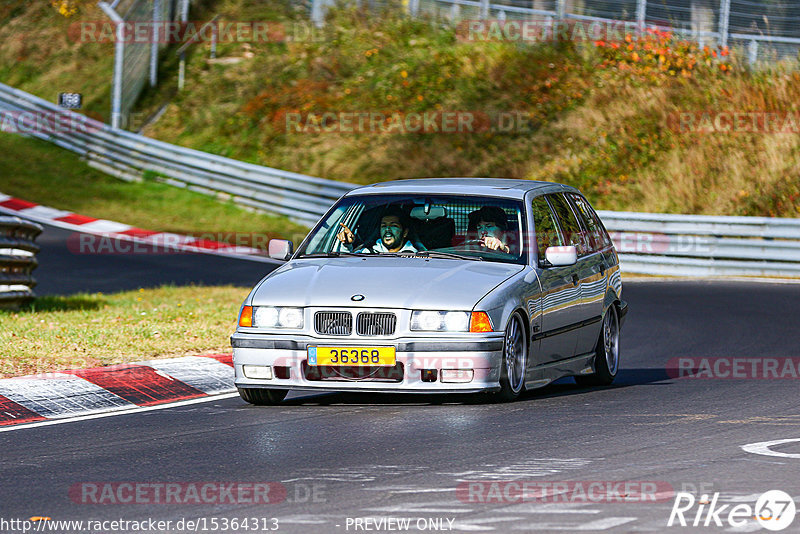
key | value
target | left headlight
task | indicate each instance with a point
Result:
(440, 321)
(275, 317)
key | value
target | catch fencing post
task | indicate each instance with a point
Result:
(641, 11)
(119, 62)
(317, 13)
(455, 12)
(484, 9)
(724, 20)
(561, 9)
(752, 52)
(182, 66)
(154, 44)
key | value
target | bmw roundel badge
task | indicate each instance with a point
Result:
(357, 298)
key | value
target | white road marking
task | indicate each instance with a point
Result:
(421, 509)
(537, 467)
(550, 508)
(120, 412)
(409, 489)
(598, 524)
(763, 448)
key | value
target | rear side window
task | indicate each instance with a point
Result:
(571, 228)
(547, 233)
(598, 238)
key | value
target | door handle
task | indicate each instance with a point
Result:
(575, 279)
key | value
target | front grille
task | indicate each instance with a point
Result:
(333, 323)
(376, 324)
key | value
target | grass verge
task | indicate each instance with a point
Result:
(90, 330)
(43, 173)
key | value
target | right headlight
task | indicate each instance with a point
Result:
(440, 321)
(450, 321)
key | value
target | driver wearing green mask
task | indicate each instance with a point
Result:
(393, 236)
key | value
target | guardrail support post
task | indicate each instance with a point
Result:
(561, 9)
(724, 20)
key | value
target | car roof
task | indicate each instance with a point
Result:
(493, 187)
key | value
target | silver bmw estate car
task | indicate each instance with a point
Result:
(437, 286)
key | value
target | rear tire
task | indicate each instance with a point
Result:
(606, 356)
(263, 397)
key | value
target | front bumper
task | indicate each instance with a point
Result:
(288, 357)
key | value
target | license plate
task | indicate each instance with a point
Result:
(351, 356)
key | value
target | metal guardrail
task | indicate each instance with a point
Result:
(128, 156)
(702, 245)
(17, 260)
(683, 245)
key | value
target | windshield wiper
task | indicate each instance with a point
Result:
(334, 254)
(437, 254)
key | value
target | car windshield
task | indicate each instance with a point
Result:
(441, 226)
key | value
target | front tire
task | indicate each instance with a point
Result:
(263, 397)
(515, 360)
(606, 357)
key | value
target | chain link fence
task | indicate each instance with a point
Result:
(136, 59)
(766, 31)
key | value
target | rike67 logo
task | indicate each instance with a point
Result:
(774, 510)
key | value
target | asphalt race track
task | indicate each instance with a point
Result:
(340, 459)
(62, 271)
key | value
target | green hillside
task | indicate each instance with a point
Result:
(603, 116)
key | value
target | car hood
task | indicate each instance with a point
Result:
(385, 282)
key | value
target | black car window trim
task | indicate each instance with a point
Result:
(587, 235)
(541, 260)
(560, 222)
(606, 238)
